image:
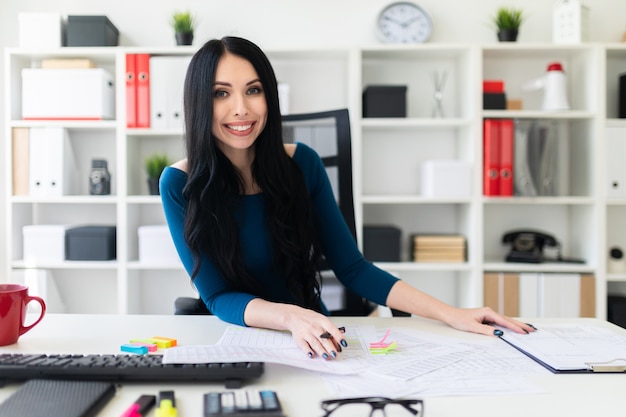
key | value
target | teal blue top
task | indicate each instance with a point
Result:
(337, 244)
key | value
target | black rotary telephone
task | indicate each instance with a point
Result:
(527, 246)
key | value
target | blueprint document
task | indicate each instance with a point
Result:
(420, 363)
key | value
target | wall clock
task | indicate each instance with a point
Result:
(404, 22)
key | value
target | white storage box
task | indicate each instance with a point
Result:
(44, 243)
(156, 245)
(40, 30)
(67, 94)
(442, 178)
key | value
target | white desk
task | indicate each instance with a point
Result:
(576, 395)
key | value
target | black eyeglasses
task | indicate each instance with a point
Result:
(368, 406)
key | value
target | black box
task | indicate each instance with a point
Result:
(494, 101)
(91, 31)
(616, 310)
(381, 243)
(384, 101)
(621, 104)
(90, 243)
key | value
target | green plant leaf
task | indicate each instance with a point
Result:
(155, 164)
(183, 22)
(508, 18)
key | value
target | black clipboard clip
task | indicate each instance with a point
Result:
(609, 366)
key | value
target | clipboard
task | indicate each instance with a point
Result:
(57, 398)
(567, 348)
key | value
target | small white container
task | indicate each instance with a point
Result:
(44, 243)
(40, 30)
(156, 245)
(446, 178)
(67, 94)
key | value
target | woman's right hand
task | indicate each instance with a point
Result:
(314, 333)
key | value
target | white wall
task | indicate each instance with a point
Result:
(288, 23)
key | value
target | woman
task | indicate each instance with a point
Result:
(251, 216)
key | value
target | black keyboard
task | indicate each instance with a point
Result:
(122, 368)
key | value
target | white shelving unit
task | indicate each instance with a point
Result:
(387, 153)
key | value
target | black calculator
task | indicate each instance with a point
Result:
(242, 403)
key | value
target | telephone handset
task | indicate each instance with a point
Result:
(527, 246)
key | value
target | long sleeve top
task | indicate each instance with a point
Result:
(336, 241)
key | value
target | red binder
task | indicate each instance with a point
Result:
(507, 132)
(143, 90)
(491, 157)
(131, 90)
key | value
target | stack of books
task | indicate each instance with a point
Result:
(439, 248)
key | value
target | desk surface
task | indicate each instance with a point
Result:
(301, 391)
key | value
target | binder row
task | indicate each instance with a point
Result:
(498, 157)
(523, 158)
(154, 91)
(43, 162)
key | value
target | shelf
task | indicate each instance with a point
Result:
(423, 266)
(547, 267)
(411, 199)
(88, 265)
(539, 114)
(388, 156)
(550, 201)
(396, 123)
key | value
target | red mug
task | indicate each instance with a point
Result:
(14, 299)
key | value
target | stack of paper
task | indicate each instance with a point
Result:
(438, 248)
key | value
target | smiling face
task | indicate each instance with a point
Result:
(239, 106)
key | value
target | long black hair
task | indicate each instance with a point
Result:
(214, 187)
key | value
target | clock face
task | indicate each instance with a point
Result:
(404, 22)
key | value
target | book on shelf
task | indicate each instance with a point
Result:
(21, 158)
(82, 63)
(438, 240)
(438, 248)
(439, 256)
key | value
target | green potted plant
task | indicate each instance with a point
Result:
(154, 165)
(507, 22)
(184, 24)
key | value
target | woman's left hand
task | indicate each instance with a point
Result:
(481, 320)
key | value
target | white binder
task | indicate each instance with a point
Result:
(167, 78)
(52, 166)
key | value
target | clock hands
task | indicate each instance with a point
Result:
(403, 24)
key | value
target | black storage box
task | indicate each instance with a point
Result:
(616, 310)
(384, 101)
(90, 243)
(381, 243)
(91, 31)
(494, 101)
(621, 105)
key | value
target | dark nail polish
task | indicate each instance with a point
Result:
(339, 349)
(310, 354)
(334, 354)
(528, 324)
(325, 355)
(344, 343)
(342, 329)
(498, 332)
(525, 331)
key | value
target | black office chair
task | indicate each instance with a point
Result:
(328, 133)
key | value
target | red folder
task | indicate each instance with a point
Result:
(143, 90)
(506, 156)
(131, 90)
(491, 157)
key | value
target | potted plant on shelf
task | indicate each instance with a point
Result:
(508, 21)
(184, 25)
(155, 164)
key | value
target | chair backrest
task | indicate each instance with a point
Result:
(328, 132)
